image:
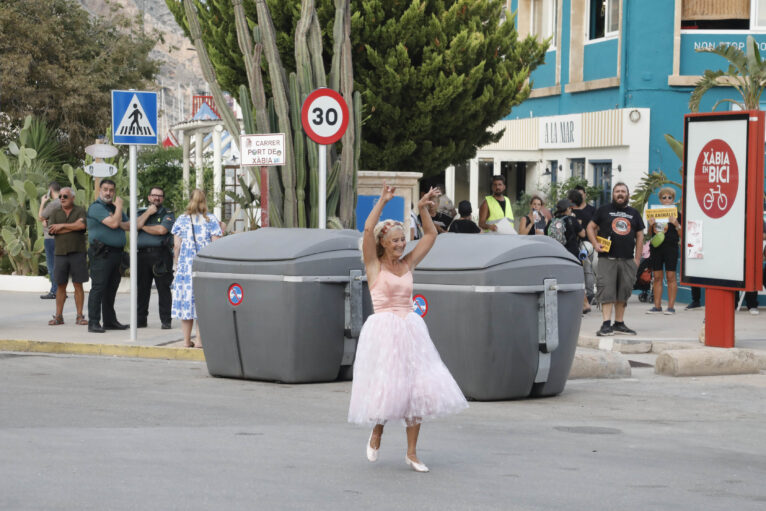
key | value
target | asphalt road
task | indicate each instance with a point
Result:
(88, 433)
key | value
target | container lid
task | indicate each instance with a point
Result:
(276, 244)
(476, 251)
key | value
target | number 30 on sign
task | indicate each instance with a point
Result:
(324, 116)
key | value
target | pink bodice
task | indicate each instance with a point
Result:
(391, 293)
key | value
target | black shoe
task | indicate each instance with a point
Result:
(693, 305)
(166, 326)
(141, 323)
(622, 328)
(605, 330)
(49, 296)
(115, 326)
(95, 327)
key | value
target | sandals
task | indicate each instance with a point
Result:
(81, 320)
(57, 320)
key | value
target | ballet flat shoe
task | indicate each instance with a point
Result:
(417, 467)
(372, 454)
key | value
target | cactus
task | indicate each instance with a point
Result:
(293, 190)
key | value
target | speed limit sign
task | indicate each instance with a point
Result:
(324, 116)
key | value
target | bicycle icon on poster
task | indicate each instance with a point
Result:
(709, 198)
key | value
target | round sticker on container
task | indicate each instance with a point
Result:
(235, 294)
(420, 305)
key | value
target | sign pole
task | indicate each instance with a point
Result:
(133, 244)
(322, 186)
(264, 196)
(324, 116)
(719, 318)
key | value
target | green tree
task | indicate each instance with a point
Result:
(59, 64)
(746, 73)
(162, 167)
(434, 75)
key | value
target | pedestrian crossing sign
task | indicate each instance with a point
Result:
(134, 117)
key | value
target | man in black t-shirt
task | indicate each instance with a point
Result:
(616, 273)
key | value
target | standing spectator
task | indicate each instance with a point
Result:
(446, 206)
(584, 212)
(193, 230)
(48, 204)
(534, 222)
(572, 233)
(67, 225)
(617, 266)
(107, 224)
(464, 224)
(496, 206)
(155, 257)
(440, 220)
(664, 253)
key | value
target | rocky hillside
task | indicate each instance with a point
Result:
(180, 76)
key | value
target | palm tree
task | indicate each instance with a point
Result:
(746, 73)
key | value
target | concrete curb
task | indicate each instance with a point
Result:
(593, 363)
(707, 362)
(105, 350)
(632, 345)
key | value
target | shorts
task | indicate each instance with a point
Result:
(73, 264)
(615, 279)
(665, 255)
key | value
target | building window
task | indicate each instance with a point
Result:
(602, 177)
(553, 169)
(543, 20)
(577, 166)
(604, 18)
(723, 14)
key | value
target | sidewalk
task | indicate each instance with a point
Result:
(24, 327)
(682, 327)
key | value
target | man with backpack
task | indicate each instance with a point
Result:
(621, 229)
(565, 228)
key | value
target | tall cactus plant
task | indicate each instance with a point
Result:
(294, 187)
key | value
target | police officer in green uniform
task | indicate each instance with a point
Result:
(107, 224)
(155, 256)
(495, 206)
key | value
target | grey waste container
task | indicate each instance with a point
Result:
(281, 304)
(503, 311)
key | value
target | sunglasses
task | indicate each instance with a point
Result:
(667, 197)
(64, 196)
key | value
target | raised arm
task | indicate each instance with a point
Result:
(369, 246)
(429, 230)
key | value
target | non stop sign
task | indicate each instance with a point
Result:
(324, 116)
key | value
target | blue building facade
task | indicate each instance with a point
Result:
(617, 77)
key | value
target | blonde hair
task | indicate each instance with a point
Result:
(197, 204)
(667, 189)
(380, 230)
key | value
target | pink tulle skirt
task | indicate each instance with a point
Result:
(398, 374)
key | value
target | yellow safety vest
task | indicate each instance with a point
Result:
(495, 213)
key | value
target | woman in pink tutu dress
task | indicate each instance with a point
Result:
(398, 374)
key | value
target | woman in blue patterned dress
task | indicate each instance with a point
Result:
(193, 230)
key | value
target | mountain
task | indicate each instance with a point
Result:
(180, 76)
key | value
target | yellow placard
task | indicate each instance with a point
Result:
(607, 244)
(662, 213)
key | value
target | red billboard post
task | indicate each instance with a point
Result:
(722, 231)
